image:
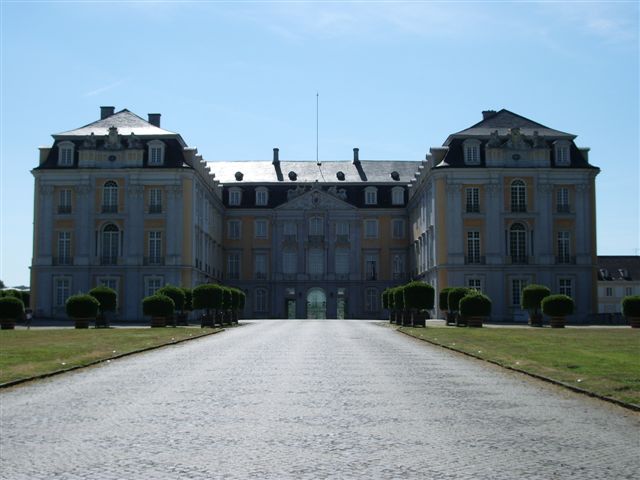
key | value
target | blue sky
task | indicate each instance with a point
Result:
(395, 78)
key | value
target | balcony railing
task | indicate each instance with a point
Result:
(473, 208)
(64, 208)
(155, 208)
(563, 208)
(519, 259)
(261, 275)
(566, 259)
(108, 260)
(475, 260)
(371, 276)
(399, 275)
(316, 238)
(62, 261)
(518, 208)
(109, 208)
(342, 276)
(155, 260)
(342, 238)
(290, 237)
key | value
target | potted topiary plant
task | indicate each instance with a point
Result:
(443, 303)
(207, 297)
(557, 307)
(393, 313)
(532, 296)
(475, 308)
(183, 316)
(404, 316)
(82, 308)
(241, 302)
(631, 310)
(227, 306)
(418, 299)
(11, 309)
(177, 295)
(385, 302)
(159, 308)
(108, 299)
(453, 302)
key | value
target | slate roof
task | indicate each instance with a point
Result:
(263, 171)
(127, 123)
(614, 263)
(502, 121)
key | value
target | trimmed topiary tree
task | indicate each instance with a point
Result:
(227, 306)
(159, 307)
(207, 297)
(631, 310)
(402, 316)
(385, 302)
(82, 308)
(418, 298)
(236, 300)
(557, 307)
(177, 295)
(475, 308)
(108, 299)
(183, 316)
(532, 296)
(11, 310)
(453, 302)
(443, 303)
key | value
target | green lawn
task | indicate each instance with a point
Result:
(603, 361)
(26, 353)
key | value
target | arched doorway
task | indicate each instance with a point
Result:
(316, 304)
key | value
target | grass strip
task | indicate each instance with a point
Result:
(604, 362)
(32, 353)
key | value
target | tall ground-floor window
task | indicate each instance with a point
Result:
(565, 286)
(260, 300)
(62, 290)
(517, 284)
(152, 285)
(371, 300)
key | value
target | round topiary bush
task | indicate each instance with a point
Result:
(82, 306)
(631, 306)
(443, 298)
(418, 296)
(557, 305)
(11, 309)
(385, 298)
(107, 297)
(158, 306)
(398, 298)
(207, 296)
(455, 295)
(188, 299)
(475, 307)
(174, 293)
(531, 300)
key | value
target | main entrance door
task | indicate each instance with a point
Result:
(290, 305)
(316, 304)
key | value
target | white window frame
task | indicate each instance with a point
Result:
(565, 286)
(152, 283)
(261, 301)
(342, 261)
(235, 196)
(608, 292)
(234, 229)
(66, 151)
(316, 226)
(562, 199)
(62, 290)
(110, 241)
(398, 228)
(64, 247)
(233, 266)
(518, 241)
(64, 199)
(371, 228)
(342, 230)
(156, 150)
(315, 261)
(397, 196)
(371, 299)
(370, 196)
(371, 266)
(110, 193)
(261, 228)
(562, 153)
(398, 265)
(521, 282)
(563, 243)
(475, 283)
(154, 245)
(473, 246)
(155, 199)
(472, 200)
(471, 152)
(110, 282)
(518, 194)
(260, 266)
(262, 196)
(289, 262)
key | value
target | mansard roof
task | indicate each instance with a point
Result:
(619, 267)
(125, 121)
(365, 171)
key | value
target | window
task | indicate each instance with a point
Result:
(262, 196)
(371, 196)
(260, 228)
(290, 231)
(371, 266)
(473, 199)
(343, 259)
(472, 152)
(235, 196)
(65, 154)
(475, 283)
(260, 266)
(233, 229)
(565, 286)
(397, 266)
(260, 300)
(371, 300)
(62, 292)
(518, 196)
(342, 231)
(152, 285)
(64, 248)
(316, 262)
(608, 292)
(110, 197)
(563, 157)
(110, 245)
(371, 228)
(562, 200)
(398, 230)
(397, 196)
(473, 247)
(64, 201)
(518, 243)
(109, 282)
(628, 291)
(316, 226)
(155, 200)
(233, 266)
(289, 262)
(155, 248)
(517, 284)
(156, 152)
(563, 243)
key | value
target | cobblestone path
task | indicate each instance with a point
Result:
(309, 400)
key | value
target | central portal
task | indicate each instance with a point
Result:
(316, 304)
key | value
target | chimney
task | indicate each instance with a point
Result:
(106, 112)
(356, 157)
(276, 156)
(154, 119)
(488, 114)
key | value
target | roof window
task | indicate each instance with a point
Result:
(293, 176)
(239, 176)
(340, 175)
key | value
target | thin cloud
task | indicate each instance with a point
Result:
(106, 88)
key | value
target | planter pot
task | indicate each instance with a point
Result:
(406, 319)
(82, 322)
(207, 320)
(234, 317)
(181, 319)
(460, 320)
(419, 319)
(633, 321)
(7, 323)
(157, 322)
(450, 318)
(101, 321)
(475, 321)
(557, 322)
(536, 320)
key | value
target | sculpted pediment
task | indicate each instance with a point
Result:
(314, 198)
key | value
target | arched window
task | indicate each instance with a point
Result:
(371, 196)
(518, 196)
(518, 243)
(110, 197)
(262, 196)
(397, 196)
(110, 245)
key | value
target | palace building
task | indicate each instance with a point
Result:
(125, 203)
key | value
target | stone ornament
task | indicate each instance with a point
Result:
(112, 141)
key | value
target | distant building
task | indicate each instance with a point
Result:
(125, 203)
(618, 277)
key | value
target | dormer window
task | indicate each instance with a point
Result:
(371, 196)
(65, 154)
(563, 157)
(397, 196)
(262, 196)
(471, 152)
(235, 196)
(156, 152)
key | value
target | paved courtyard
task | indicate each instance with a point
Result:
(309, 400)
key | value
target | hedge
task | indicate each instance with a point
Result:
(557, 305)
(82, 306)
(475, 305)
(174, 293)
(207, 296)
(107, 297)
(455, 295)
(11, 307)
(158, 306)
(631, 306)
(532, 296)
(443, 298)
(418, 295)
